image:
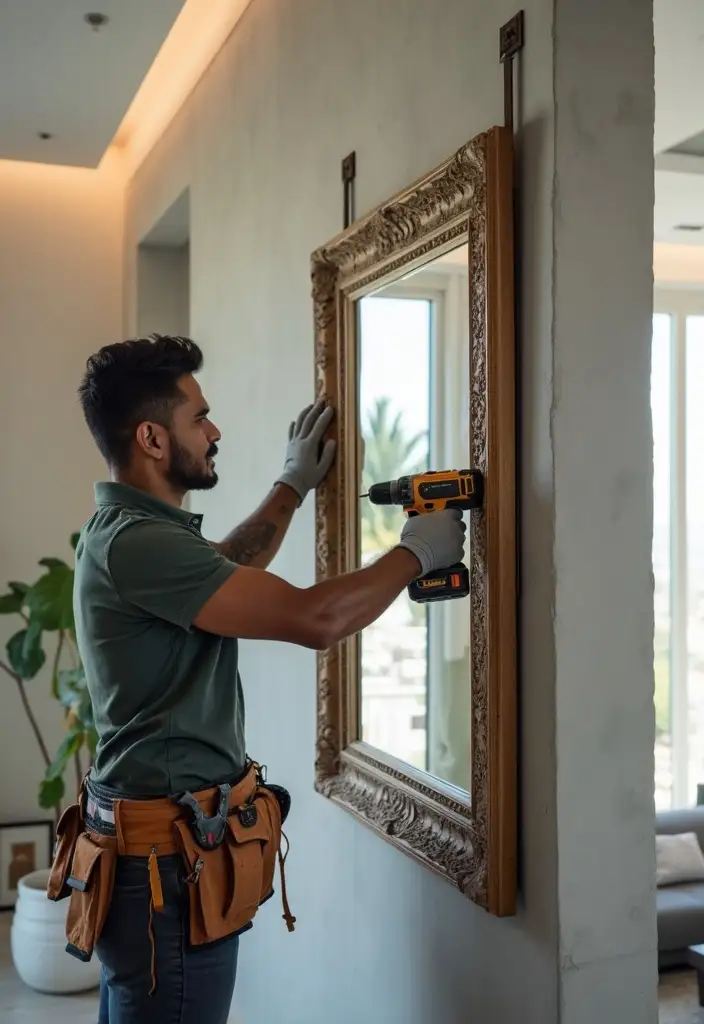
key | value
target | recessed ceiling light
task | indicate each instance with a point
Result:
(689, 227)
(96, 20)
(45, 135)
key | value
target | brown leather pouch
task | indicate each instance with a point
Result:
(91, 879)
(228, 884)
(268, 805)
(67, 832)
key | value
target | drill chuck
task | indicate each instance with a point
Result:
(391, 492)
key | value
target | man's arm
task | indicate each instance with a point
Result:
(256, 541)
(256, 605)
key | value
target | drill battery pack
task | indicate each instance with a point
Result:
(440, 585)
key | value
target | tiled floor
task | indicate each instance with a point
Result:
(20, 1005)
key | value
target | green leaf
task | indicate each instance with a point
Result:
(71, 683)
(51, 792)
(10, 603)
(55, 666)
(32, 640)
(25, 652)
(75, 537)
(53, 563)
(85, 711)
(70, 745)
(75, 697)
(92, 741)
(50, 600)
(13, 601)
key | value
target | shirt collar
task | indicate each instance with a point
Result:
(110, 493)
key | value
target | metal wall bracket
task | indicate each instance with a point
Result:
(511, 41)
(349, 173)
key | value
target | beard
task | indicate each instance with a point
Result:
(186, 473)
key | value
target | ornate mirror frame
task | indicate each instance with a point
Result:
(470, 839)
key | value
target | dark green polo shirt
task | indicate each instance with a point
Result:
(167, 697)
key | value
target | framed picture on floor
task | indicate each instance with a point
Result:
(25, 846)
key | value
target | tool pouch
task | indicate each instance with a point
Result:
(227, 884)
(67, 832)
(91, 880)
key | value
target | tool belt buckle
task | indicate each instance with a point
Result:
(208, 830)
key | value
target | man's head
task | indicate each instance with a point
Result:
(147, 413)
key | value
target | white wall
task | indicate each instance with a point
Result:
(259, 146)
(603, 471)
(163, 289)
(60, 299)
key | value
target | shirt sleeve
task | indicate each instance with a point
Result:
(166, 570)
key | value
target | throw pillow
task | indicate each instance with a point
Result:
(679, 859)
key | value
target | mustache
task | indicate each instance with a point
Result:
(212, 451)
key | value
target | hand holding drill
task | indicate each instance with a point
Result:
(436, 540)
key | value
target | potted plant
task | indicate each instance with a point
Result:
(46, 633)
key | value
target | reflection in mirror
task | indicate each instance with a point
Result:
(413, 360)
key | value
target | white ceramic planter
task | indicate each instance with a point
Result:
(38, 941)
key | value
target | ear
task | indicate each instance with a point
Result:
(152, 440)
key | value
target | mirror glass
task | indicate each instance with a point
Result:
(413, 415)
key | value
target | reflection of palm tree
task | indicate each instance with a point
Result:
(388, 453)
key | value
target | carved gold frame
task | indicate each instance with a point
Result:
(470, 839)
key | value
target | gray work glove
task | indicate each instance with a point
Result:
(437, 540)
(307, 463)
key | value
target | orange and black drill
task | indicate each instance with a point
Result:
(432, 492)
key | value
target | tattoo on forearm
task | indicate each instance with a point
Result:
(248, 541)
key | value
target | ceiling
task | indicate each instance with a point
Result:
(679, 121)
(59, 76)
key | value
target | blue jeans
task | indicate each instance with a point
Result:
(193, 985)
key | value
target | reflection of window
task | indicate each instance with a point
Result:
(413, 402)
(394, 402)
(678, 546)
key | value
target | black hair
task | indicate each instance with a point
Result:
(133, 381)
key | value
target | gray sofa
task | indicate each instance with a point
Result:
(680, 907)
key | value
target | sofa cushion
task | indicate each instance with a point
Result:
(687, 819)
(680, 915)
(679, 859)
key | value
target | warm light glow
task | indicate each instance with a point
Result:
(196, 37)
(678, 264)
(30, 174)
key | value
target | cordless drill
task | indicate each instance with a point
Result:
(432, 492)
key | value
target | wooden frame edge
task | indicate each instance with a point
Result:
(502, 537)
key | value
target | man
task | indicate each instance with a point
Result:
(159, 611)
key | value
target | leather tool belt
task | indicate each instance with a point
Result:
(227, 882)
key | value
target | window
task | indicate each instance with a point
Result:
(660, 402)
(394, 401)
(414, 382)
(677, 386)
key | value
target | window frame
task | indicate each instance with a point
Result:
(678, 304)
(439, 288)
